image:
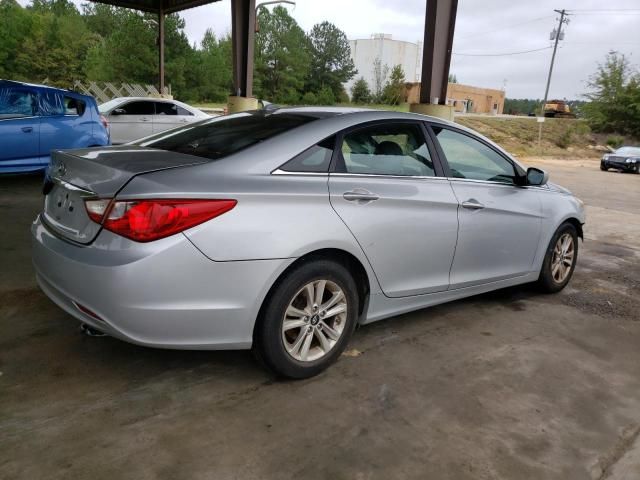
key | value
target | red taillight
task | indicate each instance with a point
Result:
(147, 220)
(104, 122)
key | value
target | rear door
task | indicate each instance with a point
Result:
(132, 120)
(61, 122)
(19, 127)
(169, 115)
(500, 221)
(389, 190)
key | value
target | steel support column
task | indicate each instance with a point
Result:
(243, 26)
(161, 50)
(440, 21)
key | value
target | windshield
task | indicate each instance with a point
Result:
(629, 151)
(107, 106)
(222, 136)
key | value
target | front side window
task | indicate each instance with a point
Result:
(138, 108)
(17, 103)
(50, 103)
(313, 160)
(393, 149)
(469, 158)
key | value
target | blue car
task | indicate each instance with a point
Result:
(35, 119)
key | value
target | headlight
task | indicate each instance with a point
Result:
(629, 160)
(604, 157)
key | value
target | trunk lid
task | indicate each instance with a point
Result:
(76, 175)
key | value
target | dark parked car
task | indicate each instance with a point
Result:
(626, 159)
(35, 119)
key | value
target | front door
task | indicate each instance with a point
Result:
(386, 190)
(500, 222)
(19, 128)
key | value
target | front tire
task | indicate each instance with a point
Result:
(603, 168)
(308, 319)
(560, 259)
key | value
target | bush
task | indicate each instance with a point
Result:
(309, 98)
(360, 92)
(615, 141)
(325, 96)
(564, 140)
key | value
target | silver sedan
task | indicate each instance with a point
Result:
(281, 230)
(131, 118)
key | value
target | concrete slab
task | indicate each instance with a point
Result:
(508, 385)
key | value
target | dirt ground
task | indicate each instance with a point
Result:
(508, 385)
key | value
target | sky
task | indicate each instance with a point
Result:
(482, 27)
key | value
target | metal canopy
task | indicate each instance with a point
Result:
(438, 39)
(157, 6)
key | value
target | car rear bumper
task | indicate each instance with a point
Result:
(162, 294)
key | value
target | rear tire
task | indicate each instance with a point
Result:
(307, 320)
(560, 259)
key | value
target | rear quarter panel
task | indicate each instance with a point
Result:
(277, 216)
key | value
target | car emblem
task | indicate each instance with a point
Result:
(61, 169)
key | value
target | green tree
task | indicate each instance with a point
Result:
(380, 73)
(56, 46)
(281, 58)
(213, 74)
(360, 92)
(15, 28)
(453, 78)
(331, 63)
(394, 90)
(614, 97)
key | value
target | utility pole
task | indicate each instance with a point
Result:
(558, 34)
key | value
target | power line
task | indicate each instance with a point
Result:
(500, 54)
(508, 27)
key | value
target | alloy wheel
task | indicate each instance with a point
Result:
(562, 260)
(314, 320)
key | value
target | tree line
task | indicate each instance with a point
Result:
(54, 40)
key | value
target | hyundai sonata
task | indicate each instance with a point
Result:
(281, 230)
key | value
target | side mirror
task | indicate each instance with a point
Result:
(118, 111)
(536, 177)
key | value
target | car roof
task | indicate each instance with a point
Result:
(359, 113)
(153, 99)
(35, 85)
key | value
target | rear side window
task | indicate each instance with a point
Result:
(313, 160)
(138, 108)
(222, 136)
(164, 108)
(387, 149)
(73, 106)
(17, 103)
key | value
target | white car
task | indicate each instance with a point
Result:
(131, 118)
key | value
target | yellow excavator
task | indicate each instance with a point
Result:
(558, 109)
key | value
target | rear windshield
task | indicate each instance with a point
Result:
(222, 136)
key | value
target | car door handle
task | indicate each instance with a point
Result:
(184, 120)
(360, 195)
(472, 204)
(144, 119)
(27, 129)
